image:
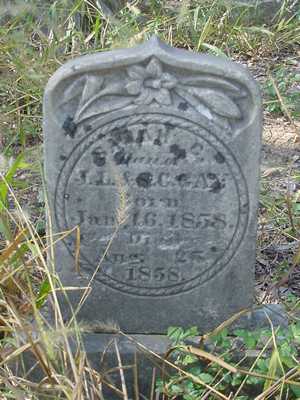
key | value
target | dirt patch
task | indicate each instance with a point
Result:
(281, 147)
(277, 275)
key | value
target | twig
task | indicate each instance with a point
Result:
(290, 211)
(292, 373)
(136, 377)
(77, 250)
(152, 392)
(124, 389)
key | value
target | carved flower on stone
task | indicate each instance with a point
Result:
(217, 98)
(150, 83)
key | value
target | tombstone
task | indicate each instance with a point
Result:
(153, 153)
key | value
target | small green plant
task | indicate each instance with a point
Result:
(242, 364)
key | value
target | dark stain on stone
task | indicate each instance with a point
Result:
(157, 142)
(212, 176)
(98, 158)
(181, 177)
(62, 157)
(178, 152)
(69, 127)
(128, 138)
(144, 179)
(82, 175)
(113, 142)
(140, 136)
(121, 157)
(88, 128)
(183, 106)
(116, 135)
(216, 185)
(219, 158)
(121, 135)
(213, 249)
(244, 209)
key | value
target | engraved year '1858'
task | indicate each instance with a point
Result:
(178, 233)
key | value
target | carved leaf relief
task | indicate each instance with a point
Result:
(216, 98)
(74, 90)
(99, 103)
(217, 101)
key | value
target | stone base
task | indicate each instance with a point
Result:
(261, 316)
(136, 352)
(140, 366)
(139, 355)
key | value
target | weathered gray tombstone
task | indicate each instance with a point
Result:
(171, 139)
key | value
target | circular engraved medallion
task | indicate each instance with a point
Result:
(176, 186)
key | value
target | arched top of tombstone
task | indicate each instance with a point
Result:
(218, 91)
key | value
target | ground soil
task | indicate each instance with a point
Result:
(276, 274)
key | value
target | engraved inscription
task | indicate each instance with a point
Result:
(178, 233)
